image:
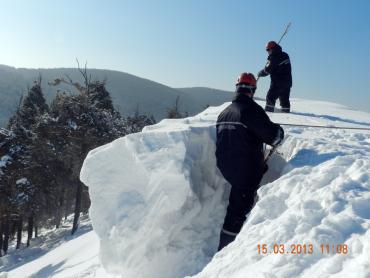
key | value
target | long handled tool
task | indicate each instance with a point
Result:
(285, 32)
(270, 153)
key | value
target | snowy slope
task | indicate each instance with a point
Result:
(56, 253)
(158, 200)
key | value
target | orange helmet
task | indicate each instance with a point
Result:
(271, 45)
(246, 78)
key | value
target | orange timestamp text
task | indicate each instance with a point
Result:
(298, 249)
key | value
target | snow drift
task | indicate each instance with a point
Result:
(157, 215)
(158, 200)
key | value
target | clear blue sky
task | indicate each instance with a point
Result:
(198, 42)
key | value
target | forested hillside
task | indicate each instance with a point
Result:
(42, 150)
(129, 93)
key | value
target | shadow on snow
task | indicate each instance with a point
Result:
(18, 258)
(331, 118)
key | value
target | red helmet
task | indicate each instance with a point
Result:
(246, 78)
(271, 45)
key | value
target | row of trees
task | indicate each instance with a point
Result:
(42, 151)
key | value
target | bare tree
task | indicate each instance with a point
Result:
(174, 112)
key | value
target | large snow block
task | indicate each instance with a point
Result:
(157, 200)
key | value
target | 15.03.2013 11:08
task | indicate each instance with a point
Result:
(297, 249)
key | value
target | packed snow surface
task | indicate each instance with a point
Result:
(56, 253)
(158, 200)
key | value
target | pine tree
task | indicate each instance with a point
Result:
(174, 112)
(17, 177)
(32, 106)
(138, 121)
(43, 150)
(87, 119)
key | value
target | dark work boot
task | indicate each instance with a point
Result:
(226, 237)
(269, 108)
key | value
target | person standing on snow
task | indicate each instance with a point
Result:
(242, 128)
(280, 71)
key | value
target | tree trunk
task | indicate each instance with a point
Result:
(59, 215)
(13, 229)
(19, 232)
(6, 234)
(77, 207)
(1, 237)
(67, 206)
(58, 219)
(86, 203)
(29, 230)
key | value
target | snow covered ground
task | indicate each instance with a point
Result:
(158, 203)
(56, 253)
(158, 200)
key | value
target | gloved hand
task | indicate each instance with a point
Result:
(279, 137)
(262, 73)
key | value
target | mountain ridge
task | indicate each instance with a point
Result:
(128, 92)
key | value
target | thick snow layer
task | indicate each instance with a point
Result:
(157, 215)
(158, 200)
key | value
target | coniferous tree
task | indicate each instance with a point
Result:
(5, 160)
(138, 121)
(174, 112)
(17, 175)
(43, 150)
(32, 106)
(88, 120)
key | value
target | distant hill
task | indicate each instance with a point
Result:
(207, 95)
(128, 91)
